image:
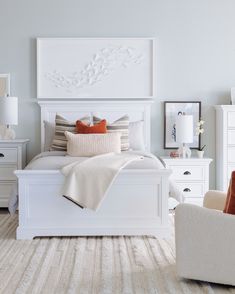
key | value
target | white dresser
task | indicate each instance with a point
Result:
(191, 176)
(225, 145)
(12, 157)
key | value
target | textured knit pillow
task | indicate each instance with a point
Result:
(136, 135)
(99, 128)
(119, 126)
(92, 144)
(230, 200)
(61, 125)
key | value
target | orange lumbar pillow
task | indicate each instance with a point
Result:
(230, 200)
(83, 128)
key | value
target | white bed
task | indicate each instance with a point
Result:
(136, 204)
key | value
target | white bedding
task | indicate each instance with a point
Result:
(55, 160)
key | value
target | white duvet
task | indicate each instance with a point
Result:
(55, 160)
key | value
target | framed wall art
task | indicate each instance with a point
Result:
(95, 67)
(4, 84)
(171, 110)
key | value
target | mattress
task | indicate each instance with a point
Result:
(55, 160)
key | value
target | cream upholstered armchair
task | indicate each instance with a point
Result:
(205, 241)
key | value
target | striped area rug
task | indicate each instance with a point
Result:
(91, 265)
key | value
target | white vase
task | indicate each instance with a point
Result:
(200, 153)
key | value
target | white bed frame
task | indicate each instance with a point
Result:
(137, 203)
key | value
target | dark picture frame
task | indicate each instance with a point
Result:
(171, 110)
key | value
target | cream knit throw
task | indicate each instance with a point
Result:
(87, 183)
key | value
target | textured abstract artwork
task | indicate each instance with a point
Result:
(95, 68)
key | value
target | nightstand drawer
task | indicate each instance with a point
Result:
(191, 189)
(7, 172)
(190, 173)
(8, 155)
(5, 192)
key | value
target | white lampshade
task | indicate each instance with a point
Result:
(9, 110)
(184, 129)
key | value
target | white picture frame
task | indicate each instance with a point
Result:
(96, 68)
(4, 84)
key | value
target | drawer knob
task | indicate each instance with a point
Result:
(187, 190)
(2, 155)
(187, 173)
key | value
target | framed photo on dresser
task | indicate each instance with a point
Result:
(171, 110)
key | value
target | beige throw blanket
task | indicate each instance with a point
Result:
(87, 183)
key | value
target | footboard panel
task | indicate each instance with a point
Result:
(137, 204)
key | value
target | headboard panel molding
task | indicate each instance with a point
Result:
(110, 109)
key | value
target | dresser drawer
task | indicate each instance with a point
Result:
(7, 172)
(231, 137)
(231, 119)
(191, 189)
(190, 173)
(231, 154)
(8, 155)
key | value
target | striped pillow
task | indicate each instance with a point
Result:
(59, 142)
(119, 126)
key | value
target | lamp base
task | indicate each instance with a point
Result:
(184, 151)
(9, 134)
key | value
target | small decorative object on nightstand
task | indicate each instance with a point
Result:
(8, 115)
(199, 132)
(12, 157)
(191, 176)
(184, 133)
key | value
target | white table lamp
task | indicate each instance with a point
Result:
(9, 115)
(184, 133)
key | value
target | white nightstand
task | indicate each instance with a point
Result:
(191, 176)
(12, 157)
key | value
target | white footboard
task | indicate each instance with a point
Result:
(137, 204)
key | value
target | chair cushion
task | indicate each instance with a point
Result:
(230, 200)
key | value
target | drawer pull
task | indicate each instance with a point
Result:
(187, 173)
(187, 190)
(2, 155)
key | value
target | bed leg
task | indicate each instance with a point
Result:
(24, 234)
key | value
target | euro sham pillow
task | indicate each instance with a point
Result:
(136, 135)
(99, 128)
(62, 125)
(86, 145)
(119, 126)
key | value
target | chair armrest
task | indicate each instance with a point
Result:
(205, 244)
(214, 200)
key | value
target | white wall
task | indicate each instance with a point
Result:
(195, 50)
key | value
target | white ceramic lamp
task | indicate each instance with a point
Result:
(9, 115)
(184, 133)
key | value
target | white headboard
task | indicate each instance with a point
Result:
(109, 109)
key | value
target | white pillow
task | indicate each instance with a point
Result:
(92, 144)
(136, 135)
(49, 129)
